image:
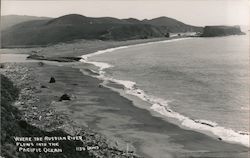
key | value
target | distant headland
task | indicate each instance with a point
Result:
(213, 31)
(23, 31)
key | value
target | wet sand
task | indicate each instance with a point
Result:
(106, 111)
(116, 117)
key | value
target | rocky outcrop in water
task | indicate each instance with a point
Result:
(213, 31)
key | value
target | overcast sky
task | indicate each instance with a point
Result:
(195, 12)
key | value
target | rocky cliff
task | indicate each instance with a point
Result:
(213, 31)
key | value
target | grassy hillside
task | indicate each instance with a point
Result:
(11, 20)
(12, 125)
(167, 24)
(74, 26)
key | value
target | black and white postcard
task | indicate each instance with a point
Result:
(124, 78)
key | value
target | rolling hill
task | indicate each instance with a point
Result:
(73, 26)
(167, 24)
(11, 20)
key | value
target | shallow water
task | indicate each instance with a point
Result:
(204, 79)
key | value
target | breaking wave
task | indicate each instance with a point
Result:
(161, 105)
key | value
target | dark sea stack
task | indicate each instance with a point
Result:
(213, 31)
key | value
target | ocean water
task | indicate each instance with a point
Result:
(201, 82)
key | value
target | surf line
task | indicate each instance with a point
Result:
(86, 56)
(161, 106)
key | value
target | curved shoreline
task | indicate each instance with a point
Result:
(107, 111)
(161, 106)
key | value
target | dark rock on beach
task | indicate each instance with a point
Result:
(1, 66)
(12, 125)
(40, 63)
(64, 97)
(42, 86)
(26, 112)
(52, 80)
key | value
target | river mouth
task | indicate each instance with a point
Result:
(108, 72)
(114, 115)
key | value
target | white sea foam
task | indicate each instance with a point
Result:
(126, 84)
(101, 65)
(85, 57)
(161, 106)
(225, 134)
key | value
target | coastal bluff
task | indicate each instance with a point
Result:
(213, 31)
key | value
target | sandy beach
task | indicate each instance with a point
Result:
(96, 107)
(116, 117)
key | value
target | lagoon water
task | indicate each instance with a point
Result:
(204, 79)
